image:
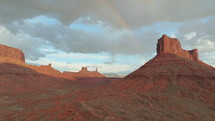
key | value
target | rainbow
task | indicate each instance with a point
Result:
(123, 23)
(115, 13)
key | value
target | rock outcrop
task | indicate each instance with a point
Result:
(12, 53)
(172, 67)
(167, 45)
(16, 56)
(84, 69)
(84, 73)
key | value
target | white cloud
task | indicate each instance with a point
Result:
(112, 40)
(103, 68)
(74, 61)
(22, 41)
(208, 57)
(190, 35)
(205, 45)
(199, 34)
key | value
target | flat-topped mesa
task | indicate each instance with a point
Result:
(84, 73)
(167, 45)
(12, 53)
(84, 69)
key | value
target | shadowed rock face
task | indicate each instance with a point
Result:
(167, 45)
(12, 53)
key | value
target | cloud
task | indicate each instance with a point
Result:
(117, 24)
(68, 39)
(26, 43)
(208, 57)
(74, 62)
(134, 13)
(76, 66)
(103, 38)
(198, 34)
(190, 35)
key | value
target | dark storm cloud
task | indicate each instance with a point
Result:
(132, 12)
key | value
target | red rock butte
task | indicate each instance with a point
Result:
(12, 53)
(171, 67)
(84, 69)
(167, 45)
(84, 73)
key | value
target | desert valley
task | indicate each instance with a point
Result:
(175, 85)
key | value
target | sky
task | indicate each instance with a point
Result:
(116, 36)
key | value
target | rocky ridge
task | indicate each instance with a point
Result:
(16, 56)
(12, 53)
(84, 73)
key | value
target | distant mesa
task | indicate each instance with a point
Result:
(47, 69)
(49, 65)
(11, 53)
(16, 56)
(112, 75)
(83, 73)
(167, 45)
(84, 69)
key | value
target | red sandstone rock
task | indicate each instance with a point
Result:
(83, 73)
(12, 53)
(172, 67)
(84, 69)
(167, 45)
(16, 56)
(167, 71)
